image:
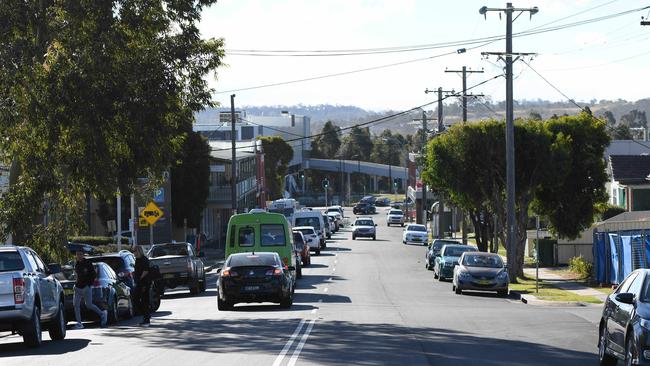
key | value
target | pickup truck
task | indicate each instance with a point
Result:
(179, 265)
(31, 299)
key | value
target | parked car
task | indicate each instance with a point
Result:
(482, 272)
(302, 250)
(382, 202)
(311, 237)
(329, 226)
(434, 249)
(449, 255)
(338, 219)
(123, 264)
(334, 227)
(364, 227)
(397, 205)
(364, 208)
(179, 265)
(395, 217)
(368, 199)
(255, 277)
(625, 322)
(109, 293)
(338, 209)
(313, 219)
(415, 233)
(31, 298)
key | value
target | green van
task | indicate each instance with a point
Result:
(261, 231)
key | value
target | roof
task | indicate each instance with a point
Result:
(227, 154)
(629, 169)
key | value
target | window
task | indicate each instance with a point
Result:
(232, 236)
(272, 235)
(308, 221)
(626, 283)
(635, 286)
(11, 261)
(246, 236)
(40, 267)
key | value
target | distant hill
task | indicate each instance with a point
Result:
(344, 116)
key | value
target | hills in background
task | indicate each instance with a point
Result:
(345, 116)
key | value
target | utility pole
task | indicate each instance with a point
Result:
(425, 211)
(510, 129)
(464, 71)
(233, 170)
(441, 129)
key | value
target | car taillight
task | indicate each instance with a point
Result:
(96, 283)
(19, 290)
(274, 272)
(228, 273)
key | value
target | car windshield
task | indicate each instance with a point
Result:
(260, 259)
(438, 244)
(420, 228)
(287, 212)
(456, 251)
(169, 249)
(396, 212)
(480, 260)
(272, 235)
(364, 223)
(308, 221)
(307, 231)
(10, 261)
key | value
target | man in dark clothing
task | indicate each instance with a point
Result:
(142, 284)
(85, 272)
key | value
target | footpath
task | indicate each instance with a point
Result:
(551, 276)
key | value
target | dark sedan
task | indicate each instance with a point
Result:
(254, 277)
(109, 293)
(625, 322)
(364, 208)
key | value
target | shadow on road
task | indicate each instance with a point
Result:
(244, 307)
(67, 345)
(356, 343)
(180, 295)
(316, 265)
(310, 281)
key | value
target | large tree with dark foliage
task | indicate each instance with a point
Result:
(277, 155)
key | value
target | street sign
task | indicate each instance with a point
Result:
(151, 213)
(159, 195)
(142, 222)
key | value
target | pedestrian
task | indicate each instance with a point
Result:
(86, 274)
(142, 284)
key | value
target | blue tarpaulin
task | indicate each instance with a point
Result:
(617, 254)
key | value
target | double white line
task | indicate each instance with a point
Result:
(292, 339)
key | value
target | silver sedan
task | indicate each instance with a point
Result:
(482, 272)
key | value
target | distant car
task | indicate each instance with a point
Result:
(338, 219)
(382, 202)
(338, 209)
(31, 298)
(254, 277)
(311, 237)
(395, 217)
(302, 252)
(368, 199)
(179, 265)
(449, 256)
(482, 272)
(109, 293)
(364, 227)
(625, 322)
(364, 208)
(434, 249)
(397, 205)
(415, 233)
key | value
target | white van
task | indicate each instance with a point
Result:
(313, 219)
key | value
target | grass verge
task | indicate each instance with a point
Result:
(548, 292)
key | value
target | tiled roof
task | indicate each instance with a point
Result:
(630, 169)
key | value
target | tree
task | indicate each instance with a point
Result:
(357, 145)
(634, 118)
(277, 155)
(93, 95)
(534, 116)
(190, 181)
(621, 132)
(328, 143)
(609, 118)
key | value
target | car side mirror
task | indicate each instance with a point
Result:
(53, 268)
(625, 298)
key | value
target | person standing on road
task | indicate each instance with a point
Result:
(86, 274)
(142, 284)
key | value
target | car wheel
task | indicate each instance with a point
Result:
(388, 225)
(458, 291)
(317, 251)
(374, 238)
(402, 224)
(130, 311)
(113, 316)
(57, 326)
(604, 359)
(154, 300)
(223, 305)
(629, 350)
(196, 288)
(435, 274)
(354, 237)
(32, 332)
(287, 301)
(440, 278)
(426, 264)
(502, 293)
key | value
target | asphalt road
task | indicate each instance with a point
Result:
(361, 302)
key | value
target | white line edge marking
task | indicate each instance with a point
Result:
(303, 340)
(325, 289)
(278, 360)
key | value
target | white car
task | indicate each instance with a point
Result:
(415, 233)
(311, 237)
(395, 217)
(337, 217)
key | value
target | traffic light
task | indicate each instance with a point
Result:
(326, 183)
(301, 174)
(395, 182)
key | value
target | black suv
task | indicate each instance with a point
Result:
(364, 208)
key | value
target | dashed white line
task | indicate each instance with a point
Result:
(325, 290)
(303, 340)
(278, 360)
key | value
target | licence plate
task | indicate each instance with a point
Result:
(68, 291)
(168, 275)
(484, 282)
(251, 288)
(417, 239)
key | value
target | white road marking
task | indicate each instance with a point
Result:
(278, 360)
(296, 353)
(314, 311)
(333, 269)
(330, 280)
(325, 289)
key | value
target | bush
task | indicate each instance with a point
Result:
(96, 240)
(580, 266)
(611, 211)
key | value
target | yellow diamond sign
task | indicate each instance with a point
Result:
(151, 213)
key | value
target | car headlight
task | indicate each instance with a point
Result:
(464, 275)
(448, 264)
(644, 323)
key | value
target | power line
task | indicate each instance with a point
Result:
(378, 120)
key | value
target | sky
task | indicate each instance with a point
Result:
(608, 59)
